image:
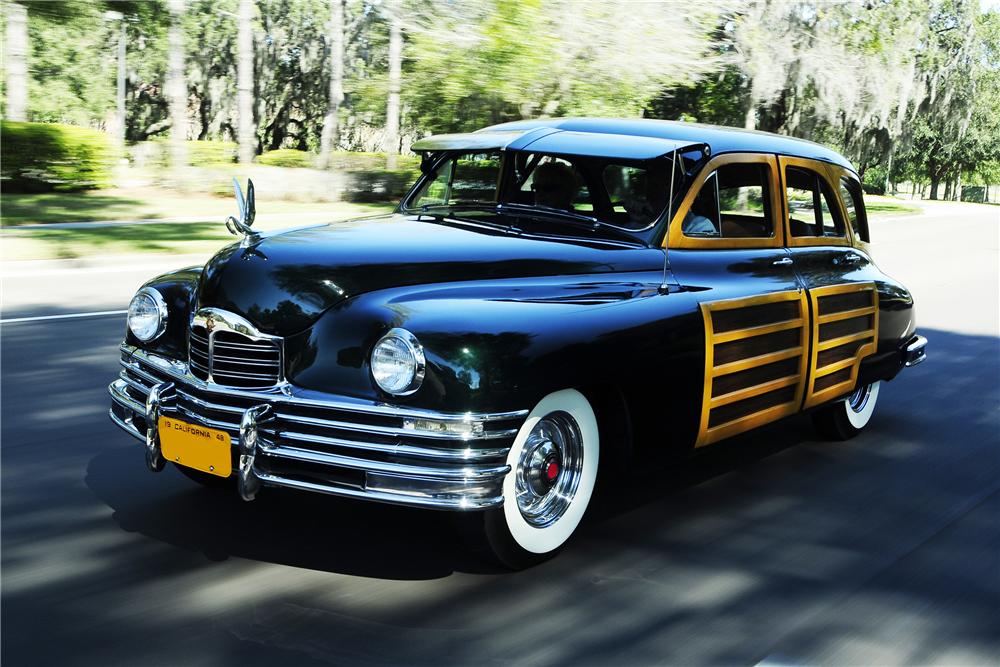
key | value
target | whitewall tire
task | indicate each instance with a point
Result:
(553, 471)
(845, 419)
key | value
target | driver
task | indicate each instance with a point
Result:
(554, 184)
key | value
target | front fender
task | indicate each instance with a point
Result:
(179, 289)
(503, 346)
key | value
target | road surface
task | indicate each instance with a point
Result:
(776, 548)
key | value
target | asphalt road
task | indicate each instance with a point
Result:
(774, 548)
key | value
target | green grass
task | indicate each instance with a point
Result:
(146, 204)
(166, 237)
(878, 207)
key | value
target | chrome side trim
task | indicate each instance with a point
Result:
(431, 502)
(467, 474)
(915, 353)
(178, 370)
(467, 455)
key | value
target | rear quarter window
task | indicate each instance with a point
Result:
(854, 204)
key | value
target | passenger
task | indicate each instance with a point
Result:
(555, 185)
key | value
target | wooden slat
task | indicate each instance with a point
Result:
(741, 334)
(748, 422)
(846, 314)
(759, 360)
(836, 366)
(755, 390)
(844, 340)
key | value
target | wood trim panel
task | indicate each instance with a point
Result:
(753, 388)
(823, 316)
(823, 169)
(675, 237)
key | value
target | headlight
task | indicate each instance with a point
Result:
(147, 314)
(398, 362)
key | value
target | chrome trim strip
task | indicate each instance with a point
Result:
(302, 396)
(468, 474)
(462, 503)
(467, 455)
(394, 430)
(128, 427)
(915, 352)
(118, 394)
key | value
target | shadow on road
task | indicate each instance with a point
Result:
(774, 544)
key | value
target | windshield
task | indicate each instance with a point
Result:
(629, 195)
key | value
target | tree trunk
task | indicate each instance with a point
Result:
(935, 181)
(958, 187)
(244, 83)
(16, 57)
(888, 169)
(948, 188)
(331, 126)
(395, 74)
(176, 86)
(750, 119)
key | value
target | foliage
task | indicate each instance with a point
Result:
(907, 88)
(46, 156)
(287, 157)
(378, 185)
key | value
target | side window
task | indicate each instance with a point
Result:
(812, 208)
(851, 194)
(734, 202)
(556, 183)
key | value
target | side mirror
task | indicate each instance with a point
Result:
(246, 210)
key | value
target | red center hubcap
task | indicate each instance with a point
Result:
(552, 471)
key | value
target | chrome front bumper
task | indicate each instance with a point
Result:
(915, 351)
(318, 442)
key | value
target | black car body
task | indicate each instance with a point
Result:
(702, 282)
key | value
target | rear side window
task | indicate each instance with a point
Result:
(734, 202)
(850, 192)
(812, 207)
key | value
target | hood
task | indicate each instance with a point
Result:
(283, 282)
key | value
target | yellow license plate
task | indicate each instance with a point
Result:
(194, 446)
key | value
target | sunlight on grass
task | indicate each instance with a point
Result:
(151, 204)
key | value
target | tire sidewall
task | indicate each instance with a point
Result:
(548, 539)
(858, 420)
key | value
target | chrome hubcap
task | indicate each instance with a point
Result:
(859, 399)
(549, 469)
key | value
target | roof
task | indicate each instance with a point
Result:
(719, 139)
(556, 141)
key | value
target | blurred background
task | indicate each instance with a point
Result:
(131, 110)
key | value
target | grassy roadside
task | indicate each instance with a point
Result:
(166, 237)
(183, 238)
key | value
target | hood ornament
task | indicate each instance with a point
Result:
(242, 221)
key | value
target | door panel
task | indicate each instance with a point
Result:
(756, 350)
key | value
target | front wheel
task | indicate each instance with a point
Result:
(553, 469)
(845, 419)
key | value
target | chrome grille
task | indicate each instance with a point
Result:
(232, 359)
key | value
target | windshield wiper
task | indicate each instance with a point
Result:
(561, 215)
(460, 204)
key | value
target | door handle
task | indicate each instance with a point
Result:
(849, 258)
(784, 261)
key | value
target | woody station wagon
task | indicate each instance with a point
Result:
(552, 300)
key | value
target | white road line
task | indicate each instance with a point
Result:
(68, 316)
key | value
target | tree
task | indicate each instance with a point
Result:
(176, 87)
(395, 74)
(244, 78)
(16, 59)
(331, 127)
